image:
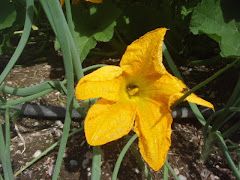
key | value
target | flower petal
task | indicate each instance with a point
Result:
(193, 98)
(170, 89)
(145, 54)
(107, 121)
(104, 82)
(153, 126)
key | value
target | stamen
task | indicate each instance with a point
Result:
(132, 90)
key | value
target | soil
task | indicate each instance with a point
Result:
(39, 134)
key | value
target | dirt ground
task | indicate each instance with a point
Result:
(39, 134)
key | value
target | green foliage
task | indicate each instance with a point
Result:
(220, 21)
(93, 23)
(7, 14)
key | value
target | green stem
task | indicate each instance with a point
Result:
(208, 146)
(96, 164)
(227, 155)
(175, 71)
(23, 40)
(231, 130)
(2, 152)
(141, 163)
(203, 83)
(69, 16)
(165, 170)
(93, 67)
(235, 97)
(121, 155)
(62, 29)
(45, 152)
(171, 63)
(27, 91)
(171, 171)
(7, 146)
(28, 98)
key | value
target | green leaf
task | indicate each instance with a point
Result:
(93, 23)
(137, 20)
(7, 14)
(220, 20)
(85, 44)
(2, 44)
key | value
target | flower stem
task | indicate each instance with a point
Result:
(203, 83)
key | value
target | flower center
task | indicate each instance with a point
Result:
(132, 90)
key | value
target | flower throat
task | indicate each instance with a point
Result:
(132, 90)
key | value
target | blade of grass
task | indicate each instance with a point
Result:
(28, 98)
(235, 97)
(27, 91)
(23, 40)
(140, 161)
(45, 152)
(171, 170)
(7, 146)
(2, 152)
(61, 27)
(227, 155)
(121, 155)
(203, 83)
(165, 170)
(175, 71)
(96, 164)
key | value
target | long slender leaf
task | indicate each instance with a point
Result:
(2, 152)
(45, 152)
(224, 148)
(96, 164)
(140, 162)
(171, 170)
(23, 40)
(175, 71)
(7, 146)
(165, 170)
(122, 154)
(235, 97)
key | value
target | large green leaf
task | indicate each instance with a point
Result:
(7, 14)
(93, 23)
(220, 20)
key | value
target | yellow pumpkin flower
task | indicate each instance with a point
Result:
(137, 94)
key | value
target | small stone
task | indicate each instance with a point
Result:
(50, 170)
(27, 172)
(176, 171)
(36, 154)
(193, 175)
(85, 162)
(20, 144)
(204, 173)
(59, 124)
(181, 177)
(136, 170)
(89, 155)
(65, 155)
(73, 162)
(36, 124)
